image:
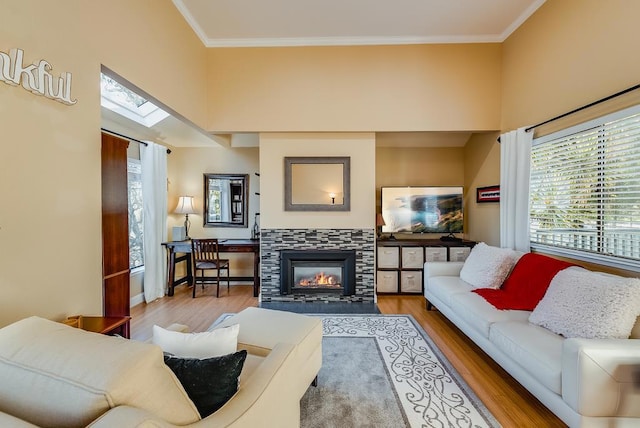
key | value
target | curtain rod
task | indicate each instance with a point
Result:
(117, 134)
(601, 100)
(586, 106)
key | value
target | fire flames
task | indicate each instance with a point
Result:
(320, 279)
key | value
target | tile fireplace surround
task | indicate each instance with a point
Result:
(272, 241)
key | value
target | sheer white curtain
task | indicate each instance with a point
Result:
(515, 166)
(154, 196)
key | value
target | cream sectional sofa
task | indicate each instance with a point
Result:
(53, 375)
(585, 382)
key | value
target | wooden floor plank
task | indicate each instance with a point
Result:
(510, 403)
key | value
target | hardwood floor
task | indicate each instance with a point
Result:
(510, 403)
(198, 313)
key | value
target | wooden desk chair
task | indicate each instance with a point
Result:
(206, 256)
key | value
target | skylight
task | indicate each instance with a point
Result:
(127, 103)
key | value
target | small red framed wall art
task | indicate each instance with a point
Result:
(488, 194)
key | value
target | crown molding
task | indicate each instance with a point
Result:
(521, 19)
(179, 4)
(347, 41)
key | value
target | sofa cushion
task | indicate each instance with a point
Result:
(526, 284)
(207, 344)
(536, 349)
(443, 287)
(56, 375)
(479, 314)
(209, 382)
(487, 266)
(590, 305)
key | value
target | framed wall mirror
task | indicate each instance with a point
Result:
(317, 184)
(226, 200)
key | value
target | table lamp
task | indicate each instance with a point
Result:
(379, 223)
(185, 206)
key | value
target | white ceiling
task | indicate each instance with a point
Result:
(227, 23)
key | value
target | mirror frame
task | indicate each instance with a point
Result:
(346, 183)
(245, 202)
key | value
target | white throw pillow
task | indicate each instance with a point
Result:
(488, 267)
(590, 305)
(215, 343)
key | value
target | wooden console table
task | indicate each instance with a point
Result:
(225, 246)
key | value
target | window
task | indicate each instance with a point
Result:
(136, 229)
(123, 101)
(585, 191)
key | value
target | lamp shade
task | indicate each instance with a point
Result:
(185, 205)
(380, 220)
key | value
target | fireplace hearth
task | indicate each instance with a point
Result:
(317, 271)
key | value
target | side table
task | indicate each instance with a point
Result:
(103, 325)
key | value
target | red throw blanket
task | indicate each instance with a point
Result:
(526, 284)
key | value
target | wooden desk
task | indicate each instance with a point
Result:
(225, 246)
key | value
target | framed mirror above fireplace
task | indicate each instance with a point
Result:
(317, 184)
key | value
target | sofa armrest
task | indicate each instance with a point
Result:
(601, 377)
(442, 269)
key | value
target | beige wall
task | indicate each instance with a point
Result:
(185, 170)
(482, 168)
(569, 53)
(147, 42)
(418, 167)
(50, 168)
(362, 88)
(360, 147)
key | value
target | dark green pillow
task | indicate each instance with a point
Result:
(209, 382)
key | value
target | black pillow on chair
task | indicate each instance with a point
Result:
(209, 382)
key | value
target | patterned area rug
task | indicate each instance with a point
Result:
(384, 371)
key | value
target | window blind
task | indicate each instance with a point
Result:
(585, 189)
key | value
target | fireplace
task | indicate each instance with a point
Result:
(275, 242)
(317, 271)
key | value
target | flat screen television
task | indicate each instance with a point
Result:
(422, 209)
